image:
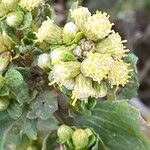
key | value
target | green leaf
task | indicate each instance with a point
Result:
(27, 20)
(15, 110)
(44, 105)
(130, 90)
(30, 129)
(17, 85)
(5, 123)
(117, 124)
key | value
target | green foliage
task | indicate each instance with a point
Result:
(32, 108)
(117, 123)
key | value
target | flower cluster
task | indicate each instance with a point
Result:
(89, 56)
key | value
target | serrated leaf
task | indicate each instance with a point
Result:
(30, 128)
(17, 85)
(44, 105)
(5, 124)
(130, 90)
(117, 124)
(15, 110)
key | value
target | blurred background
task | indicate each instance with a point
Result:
(132, 21)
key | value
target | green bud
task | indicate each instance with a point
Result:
(69, 32)
(4, 103)
(64, 133)
(61, 54)
(4, 59)
(44, 61)
(80, 139)
(14, 19)
(2, 81)
(9, 5)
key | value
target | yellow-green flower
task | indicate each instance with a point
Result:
(69, 32)
(97, 66)
(49, 32)
(80, 16)
(9, 5)
(83, 89)
(5, 42)
(65, 71)
(97, 26)
(29, 4)
(119, 73)
(112, 45)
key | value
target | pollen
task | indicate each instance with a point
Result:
(97, 66)
(97, 26)
(119, 74)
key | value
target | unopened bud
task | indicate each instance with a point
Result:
(4, 61)
(44, 61)
(80, 139)
(69, 32)
(14, 19)
(64, 133)
(62, 54)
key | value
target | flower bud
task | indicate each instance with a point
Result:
(100, 90)
(113, 46)
(49, 32)
(80, 16)
(97, 26)
(80, 139)
(2, 81)
(69, 84)
(9, 5)
(69, 32)
(65, 70)
(4, 61)
(4, 103)
(29, 4)
(61, 54)
(64, 133)
(83, 89)
(97, 66)
(5, 42)
(119, 73)
(44, 61)
(14, 19)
